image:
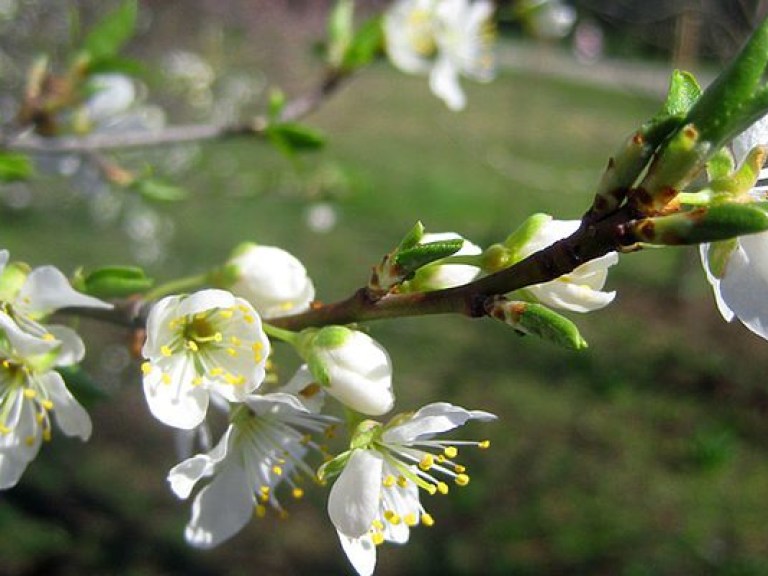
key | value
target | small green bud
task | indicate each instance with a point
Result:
(516, 241)
(112, 282)
(536, 319)
(704, 224)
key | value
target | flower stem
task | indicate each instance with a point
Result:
(177, 286)
(284, 335)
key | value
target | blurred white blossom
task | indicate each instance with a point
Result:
(445, 39)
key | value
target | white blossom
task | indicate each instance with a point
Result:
(376, 496)
(207, 342)
(30, 390)
(353, 368)
(272, 280)
(263, 448)
(442, 38)
(579, 290)
(30, 296)
(737, 270)
(113, 94)
(439, 276)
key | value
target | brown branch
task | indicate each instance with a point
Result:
(588, 243)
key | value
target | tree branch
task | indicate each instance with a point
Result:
(294, 110)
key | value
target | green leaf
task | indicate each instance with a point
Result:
(367, 42)
(127, 66)
(413, 237)
(721, 165)
(705, 224)
(291, 137)
(113, 282)
(538, 320)
(158, 191)
(14, 167)
(420, 255)
(109, 35)
(683, 92)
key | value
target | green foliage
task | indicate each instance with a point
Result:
(683, 92)
(113, 282)
(350, 49)
(14, 167)
(366, 43)
(107, 37)
(292, 137)
(157, 190)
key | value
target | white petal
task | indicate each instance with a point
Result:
(178, 403)
(186, 474)
(354, 498)
(70, 416)
(222, 508)
(72, 348)
(725, 310)
(24, 344)
(744, 287)
(158, 331)
(304, 385)
(47, 289)
(4, 255)
(444, 83)
(433, 419)
(11, 469)
(361, 553)
(205, 300)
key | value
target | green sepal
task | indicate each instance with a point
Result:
(721, 165)
(366, 43)
(14, 167)
(292, 137)
(704, 224)
(112, 282)
(334, 467)
(330, 337)
(340, 31)
(516, 241)
(365, 434)
(496, 257)
(538, 320)
(743, 180)
(412, 259)
(87, 392)
(157, 190)
(109, 35)
(719, 254)
(12, 279)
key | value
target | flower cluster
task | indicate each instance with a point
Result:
(30, 351)
(442, 38)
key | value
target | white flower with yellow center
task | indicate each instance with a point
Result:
(263, 448)
(272, 280)
(30, 296)
(579, 290)
(444, 38)
(376, 497)
(29, 391)
(207, 342)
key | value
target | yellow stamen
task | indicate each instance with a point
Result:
(277, 470)
(146, 368)
(298, 493)
(427, 520)
(166, 351)
(192, 345)
(29, 393)
(377, 538)
(442, 487)
(484, 444)
(427, 462)
(389, 481)
(462, 479)
(410, 519)
(261, 511)
(392, 517)
(451, 451)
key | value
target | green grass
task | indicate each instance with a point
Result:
(646, 454)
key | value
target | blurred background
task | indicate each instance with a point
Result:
(645, 454)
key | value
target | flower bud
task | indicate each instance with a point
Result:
(352, 367)
(440, 276)
(271, 279)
